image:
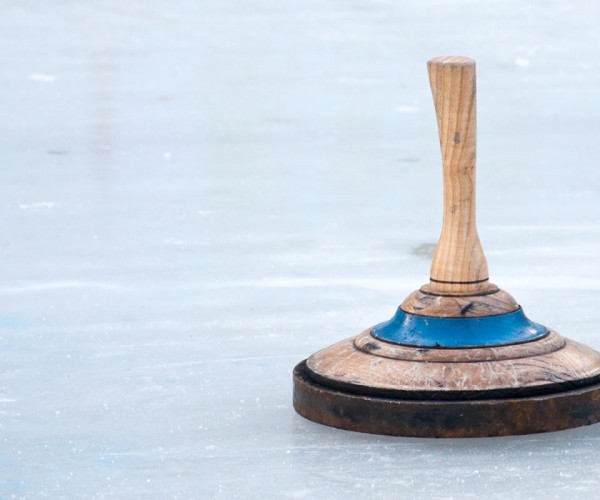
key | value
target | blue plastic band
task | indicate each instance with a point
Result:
(485, 331)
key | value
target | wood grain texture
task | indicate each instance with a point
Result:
(369, 344)
(532, 368)
(459, 264)
(459, 306)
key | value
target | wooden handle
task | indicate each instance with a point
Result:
(459, 265)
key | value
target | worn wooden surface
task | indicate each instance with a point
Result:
(459, 264)
(369, 344)
(363, 364)
(457, 306)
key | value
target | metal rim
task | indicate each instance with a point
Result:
(422, 418)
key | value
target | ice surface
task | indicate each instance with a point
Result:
(198, 195)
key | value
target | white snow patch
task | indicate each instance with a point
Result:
(42, 77)
(522, 62)
(38, 204)
(407, 109)
(175, 242)
(301, 493)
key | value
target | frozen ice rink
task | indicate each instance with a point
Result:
(195, 196)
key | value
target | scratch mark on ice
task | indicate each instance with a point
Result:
(57, 285)
(223, 360)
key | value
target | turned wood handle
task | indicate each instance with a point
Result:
(459, 265)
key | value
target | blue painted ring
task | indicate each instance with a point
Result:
(486, 331)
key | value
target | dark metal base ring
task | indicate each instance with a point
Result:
(444, 419)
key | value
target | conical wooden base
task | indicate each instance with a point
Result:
(368, 385)
(459, 358)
